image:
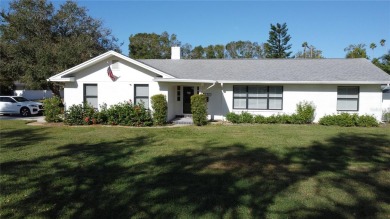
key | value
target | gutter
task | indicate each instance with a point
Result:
(303, 82)
(385, 87)
(183, 80)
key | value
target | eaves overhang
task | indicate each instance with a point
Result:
(176, 80)
(301, 82)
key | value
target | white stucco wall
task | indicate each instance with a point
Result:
(220, 102)
(110, 92)
(324, 98)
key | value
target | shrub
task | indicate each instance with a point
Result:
(102, 115)
(304, 113)
(367, 121)
(53, 109)
(199, 109)
(348, 120)
(246, 117)
(127, 114)
(81, 114)
(160, 109)
(233, 117)
(260, 119)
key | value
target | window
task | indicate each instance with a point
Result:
(7, 100)
(178, 92)
(141, 94)
(91, 95)
(257, 97)
(347, 98)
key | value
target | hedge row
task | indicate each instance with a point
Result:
(304, 115)
(125, 113)
(348, 120)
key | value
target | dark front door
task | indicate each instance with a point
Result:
(187, 93)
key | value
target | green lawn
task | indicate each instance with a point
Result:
(253, 171)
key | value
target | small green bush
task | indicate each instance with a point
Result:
(233, 117)
(127, 114)
(349, 120)
(246, 117)
(199, 109)
(160, 109)
(81, 114)
(53, 109)
(304, 113)
(260, 119)
(367, 121)
(102, 115)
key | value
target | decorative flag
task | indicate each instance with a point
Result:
(110, 74)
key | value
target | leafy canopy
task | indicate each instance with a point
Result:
(277, 44)
(37, 41)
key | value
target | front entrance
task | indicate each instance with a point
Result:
(187, 93)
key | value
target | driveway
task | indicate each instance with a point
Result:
(18, 117)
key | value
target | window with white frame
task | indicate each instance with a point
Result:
(347, 98)
(141, 94)
(91, 95)
(257, 97)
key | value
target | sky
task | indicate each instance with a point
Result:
(328, 25)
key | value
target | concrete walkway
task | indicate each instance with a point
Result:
(183, 121)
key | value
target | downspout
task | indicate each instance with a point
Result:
(215, 82)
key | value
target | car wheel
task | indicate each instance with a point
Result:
(25, 112)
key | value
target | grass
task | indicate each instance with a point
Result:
(254, 171)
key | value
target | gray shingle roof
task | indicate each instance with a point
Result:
(304, 70)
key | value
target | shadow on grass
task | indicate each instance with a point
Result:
(343, 178)
(19, 138)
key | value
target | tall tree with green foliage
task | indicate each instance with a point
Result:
(383, 62)
(356, 51)
(305, 46)
(198, 53)
(278, 45)
(243, 50)
(152, 45)
(372, 46)
(312, 53)
(215, 51)
(382, 42)
(37, 41)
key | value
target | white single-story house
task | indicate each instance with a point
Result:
(258, 86)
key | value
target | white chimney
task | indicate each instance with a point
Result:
(175, 52)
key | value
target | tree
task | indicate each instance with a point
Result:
(383, 62)
(382, 42)
(38, 42)
(198, 53)
(152, 45)
(356, 51)
(186, 51)
(215, 51)
(278, 42)
(243, 50)
(372, 46)
(313, 53)
(304, 45)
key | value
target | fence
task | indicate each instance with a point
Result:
(36, 94)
